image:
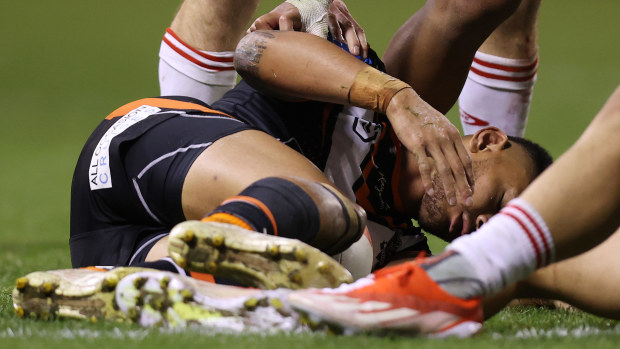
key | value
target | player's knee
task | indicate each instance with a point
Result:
(342, 221)
(311, 212)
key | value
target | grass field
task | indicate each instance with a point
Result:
(65, 65)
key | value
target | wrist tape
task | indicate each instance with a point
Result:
(373, 90)
(313, 15)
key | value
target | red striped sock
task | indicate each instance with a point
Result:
(497, 93)
(509, 247)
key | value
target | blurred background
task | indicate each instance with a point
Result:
(65, 65)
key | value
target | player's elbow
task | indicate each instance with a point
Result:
(245, 55)
(249, 52)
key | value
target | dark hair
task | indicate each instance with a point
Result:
(539, 155)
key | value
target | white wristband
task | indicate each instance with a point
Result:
(313, 15)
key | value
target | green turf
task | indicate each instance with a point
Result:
(65, 65)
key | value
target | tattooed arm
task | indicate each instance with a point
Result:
(273, 62)
(299, 65)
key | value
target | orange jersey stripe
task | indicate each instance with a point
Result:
(161, 103)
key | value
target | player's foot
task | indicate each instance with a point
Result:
(166, 299)
(69, 293)
(401, 299)
(251, 258)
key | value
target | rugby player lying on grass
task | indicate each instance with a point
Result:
(304, 123)
(203, 191)
(547, 223)
(555, 281)
(149, 215)
(499, 96)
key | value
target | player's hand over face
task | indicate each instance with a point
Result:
(341, 24)
(427, 133)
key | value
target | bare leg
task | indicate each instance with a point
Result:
(241, 160)
(434, 49)
(206, 186)
(517, 37)
(574, 280)
(579, 196)
(213, 25)
(235, 162)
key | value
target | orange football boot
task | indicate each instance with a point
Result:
(402, 299)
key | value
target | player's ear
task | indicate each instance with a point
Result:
(488, 139)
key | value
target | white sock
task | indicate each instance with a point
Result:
(509, 247)
(497, 93)
(185, 71)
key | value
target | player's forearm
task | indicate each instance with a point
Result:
(298, 65)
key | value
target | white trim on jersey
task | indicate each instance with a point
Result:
(155, 238)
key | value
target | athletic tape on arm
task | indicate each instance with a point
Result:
(373, 89)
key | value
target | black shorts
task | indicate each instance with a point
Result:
(127, 185)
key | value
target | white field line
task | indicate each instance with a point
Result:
(559, 332)
(67, 333)
(139, 334)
